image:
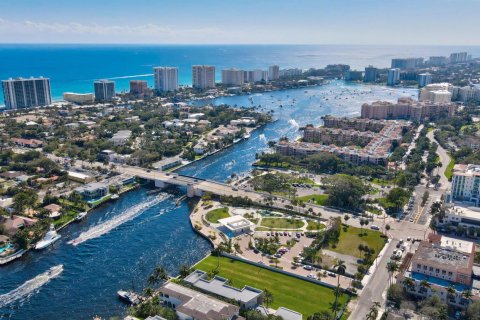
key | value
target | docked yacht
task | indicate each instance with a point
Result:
(49, 238)
(81, 215)
(114, 196)
(130, 297)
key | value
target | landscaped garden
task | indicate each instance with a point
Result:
(216, 214)
(349, 241)
(282, 223)
(318, 199)
(288, 292)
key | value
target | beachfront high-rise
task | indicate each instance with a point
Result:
(233, 77)
(104, 90)
(371, 74)
(166, 78)
(203, 77)
(138, 87)
(26, 93)
(393, 76)
(424, 79)
(273, 72)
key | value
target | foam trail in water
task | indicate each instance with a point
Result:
(108, 225)
(262, 138)
(294, 123)
(133, 76)
(26, 289)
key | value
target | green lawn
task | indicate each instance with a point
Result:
(217, 214)
(282, 223)
(288, 292)
(318, 199)
(314, 225)
(349, 241)
(449, 169)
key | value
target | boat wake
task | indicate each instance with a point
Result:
(294, 123)
(132, 76)
(29, 287)
(262, 138)
(111, 224)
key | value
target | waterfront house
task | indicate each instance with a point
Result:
(11, 225)
(54, 210)
(247, 297)
(93, 191)
(190, 304)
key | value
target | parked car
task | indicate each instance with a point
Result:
(307, 267)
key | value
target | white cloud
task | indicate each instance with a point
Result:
(10, 29)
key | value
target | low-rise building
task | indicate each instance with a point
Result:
(121, 137)
(79, 98)
(30, 143)
(247, 297)
(12, 224)
(190, 304)
(93, 191)
(441, 266)
(237, 224)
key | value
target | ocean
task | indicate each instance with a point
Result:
(74, 67)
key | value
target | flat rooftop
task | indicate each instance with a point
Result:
(235, 223)
(219, 286)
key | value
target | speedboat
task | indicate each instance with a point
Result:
(246, 136)
(130, 297)
(114, 196)
(50, 237)
(81, 215)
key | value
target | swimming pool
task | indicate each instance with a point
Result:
(437, 281)
(6, 247)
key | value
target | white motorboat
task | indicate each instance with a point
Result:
(50, 237)
(130, 297)
(81, 215)
(114, 196)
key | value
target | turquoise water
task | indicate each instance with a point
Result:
(440, 282)
(75, 67)
(5, 248)
(123, 257)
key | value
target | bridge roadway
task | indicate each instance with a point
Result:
(195, 186)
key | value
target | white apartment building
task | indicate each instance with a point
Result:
(26, 93)
(256, 75)
(466, 183)
(424, 79)
(203, 77)
(393, 76)
(469, 93)
(166, 78)
(273, 72)
(437, 93)
(233, 77)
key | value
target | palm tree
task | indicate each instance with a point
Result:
(341, 268)
(267, 297)
(373, 311)
(392, 267)
(409, 283)
(424, 285)
(159, 275)
(451, 291)
(467, 294)
(185, 270)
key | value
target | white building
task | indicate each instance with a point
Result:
(121, 137)
(464, 216)
(437, 93)
(79, 98)
(273, 72)
(393, 76)
(290, 72)
(190, 304)
(26, 93)
(466, 183)
(468, 93)
(203, 77)
(233, 77)
(166, 78)
(256, 75)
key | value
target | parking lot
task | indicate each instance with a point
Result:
(285, 260)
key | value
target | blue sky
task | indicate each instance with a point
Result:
(399, 22)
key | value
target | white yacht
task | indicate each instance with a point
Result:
(81, 215)
(49, 238)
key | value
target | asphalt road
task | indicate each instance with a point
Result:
(444, 160)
